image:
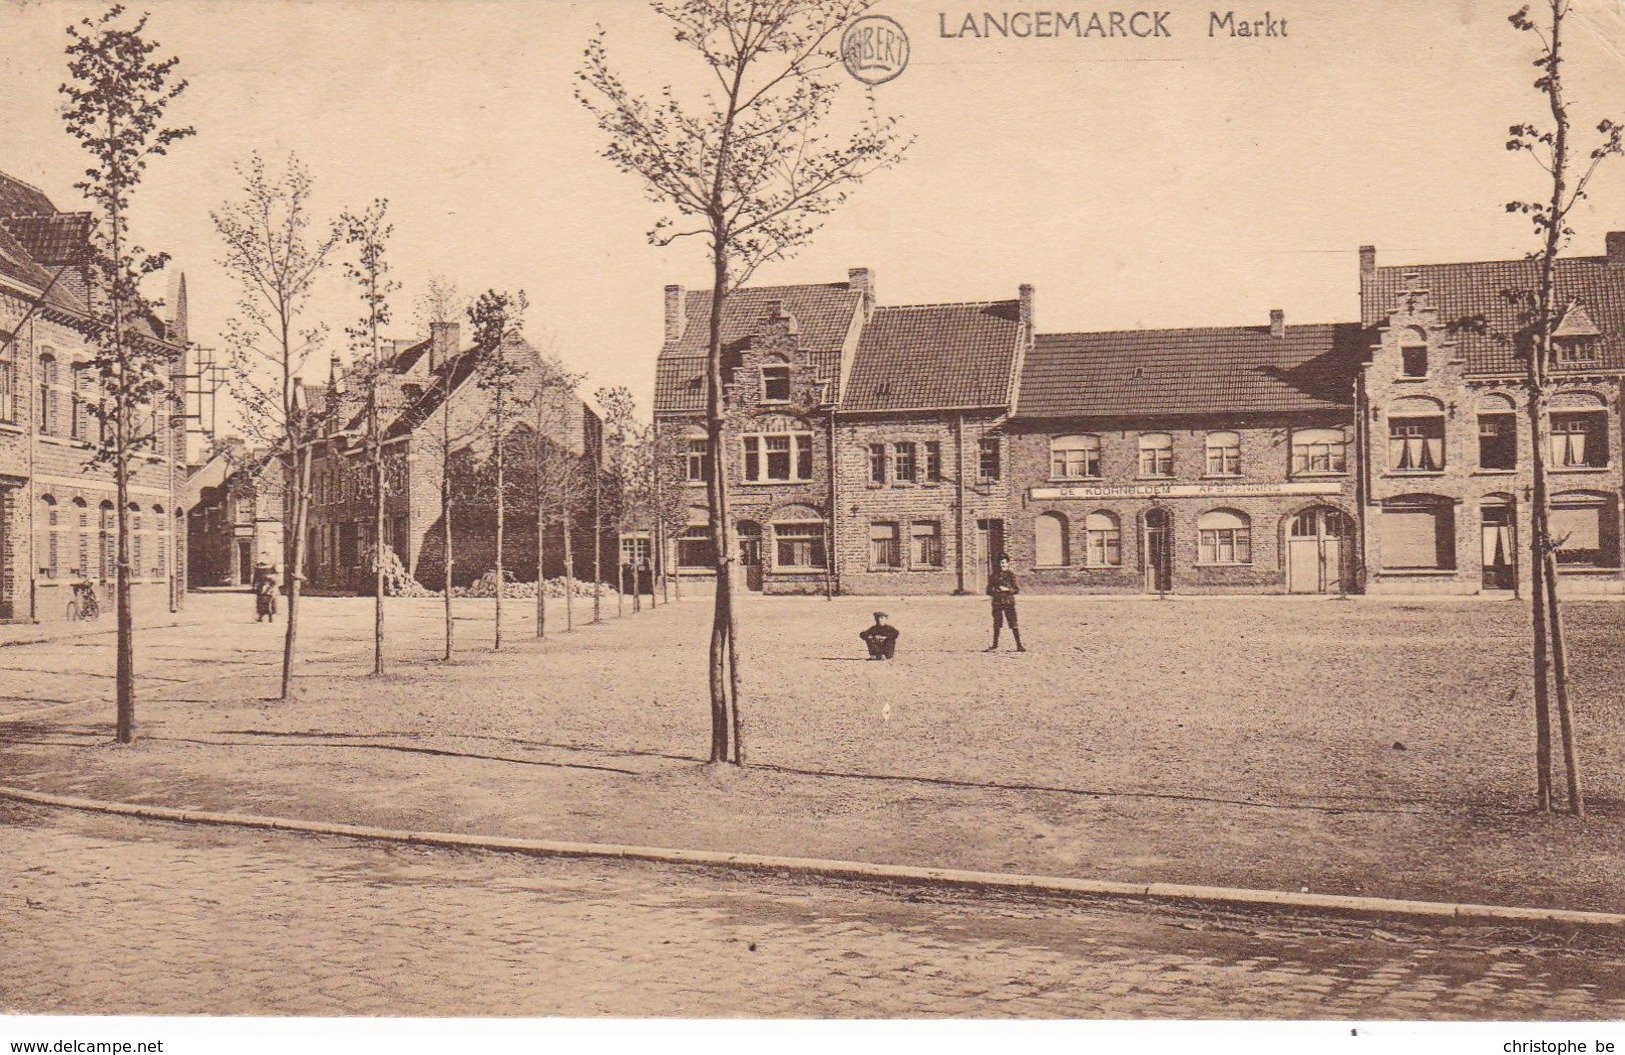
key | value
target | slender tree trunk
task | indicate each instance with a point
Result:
(502, 511)
(541, 559)
(569, 565)
(126, 617)
(597, 544)
(721, 536)
(295, 554)
(1543, 719)
(1560, 679)
(377, 536)
(448, 562)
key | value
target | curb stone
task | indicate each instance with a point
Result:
(861, 870)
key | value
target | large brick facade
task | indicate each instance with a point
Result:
(57, 502)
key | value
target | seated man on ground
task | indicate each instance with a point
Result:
(881, 638)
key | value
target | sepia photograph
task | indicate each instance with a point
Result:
(653, 521)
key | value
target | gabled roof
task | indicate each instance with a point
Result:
(935, 357)
(824, 316)
(1469, 299)
(1235, 370)
(21, 199)
(55, 240)
(436, 389)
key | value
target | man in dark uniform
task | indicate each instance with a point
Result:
(881, 638)
(1002, 589)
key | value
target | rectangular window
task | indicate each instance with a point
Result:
(905, 468)
(1319, 451)
(1224, 456)
(1579, 441)
(989, 462)
(8, 391)
(349, 545)
(1420, 537)
(925, 544)
(1497, 441)
(1580, 532)
(877, 463)
(778, 457)
(696, 461)
(885, 552)
(1416, 445)
(1226, 546)
(933, 462)
(776, 384)
(1105, 544)
(799, 546)
(694, 549)
(635, 550)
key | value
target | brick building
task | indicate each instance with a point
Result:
(233, 503)
(1213, 460)
(862, 452)
(1446, 434)
(58, 519)
(430, 390)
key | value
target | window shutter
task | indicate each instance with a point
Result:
(1581, 524)
(1411, 538)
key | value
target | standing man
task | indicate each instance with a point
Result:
(1002, 589)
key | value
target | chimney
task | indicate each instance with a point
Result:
(1616, 248)
(675, 316)
(862, 280)
(442, 343)
(1277, 323)
(1368, 261)
(334, 368)
(1027, 322)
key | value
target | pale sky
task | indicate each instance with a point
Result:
(1140, 183)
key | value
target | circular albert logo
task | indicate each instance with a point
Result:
(875, 49)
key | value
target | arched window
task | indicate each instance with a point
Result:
(48, 381)
(1413, 352)
(108, 536)
(160, 540)
(8, 383)
(80, 424)
(1156, 454)
(1049, 541)
(695, 550)
(1224, 536)
(81, 518)
(1585, 529)
(1417, 531)
(1224, 454)
(136, 535)
(1075, 457)
(1497, 432)
(1579, 436)
(51, 557)
(1105, 540)
(1416, 435)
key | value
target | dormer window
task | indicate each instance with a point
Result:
(1575, 349)
(776, 384)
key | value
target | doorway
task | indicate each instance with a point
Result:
(1500, 548)
(1314, 552)
(750, 553)
(1158, 547)
(8, 554)
(245, 562)
(989, 544)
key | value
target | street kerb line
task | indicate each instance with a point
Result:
(854, 870)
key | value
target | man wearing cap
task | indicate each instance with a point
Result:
(881, 638)
(1002, 589)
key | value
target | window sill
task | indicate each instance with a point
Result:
(1320, 474)
(1438, 573)
(1584, 569)
(8, 426)
(1580, 470)
(1223, 564)
(1168, 479)
(1077, 479)
(1407, 379)
(772, 483)
(1407, 474)
(1495, 472)
(1223, 476)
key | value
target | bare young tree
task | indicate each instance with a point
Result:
(117, 95)
(441, 303)
(498, 320)
(1539, 313)
(274, 255)
(556, 466)
(367, 235)
(620, 430)
(753, 168)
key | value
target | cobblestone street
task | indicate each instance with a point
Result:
(105, 916)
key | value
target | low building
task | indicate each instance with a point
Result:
(233, 504)
(1212, 460)
(1446, 440)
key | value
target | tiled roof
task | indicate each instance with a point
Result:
(19, 199)
(1469, 298)
(823, 313)
(52, 240)
(435, 389)
(935, 357)
(1235, 369)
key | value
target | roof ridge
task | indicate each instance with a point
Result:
(1587, 258)
(24, 183)
(949, 304)
(1194, 329)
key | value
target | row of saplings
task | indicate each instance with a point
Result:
(399, 582)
